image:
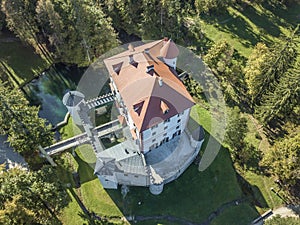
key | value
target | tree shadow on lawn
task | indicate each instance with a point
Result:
(194, 196)
(269, 24)
(236, 26)
(85, 170)
(284, 16)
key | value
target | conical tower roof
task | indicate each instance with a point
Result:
(169, 50)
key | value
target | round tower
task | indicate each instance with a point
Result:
(169, 52)
(72, 100)
(156, 189)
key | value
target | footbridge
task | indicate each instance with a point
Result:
(102, 130)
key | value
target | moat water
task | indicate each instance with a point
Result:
(49, 88)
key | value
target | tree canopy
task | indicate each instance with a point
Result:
(31, 197)
(25, 130)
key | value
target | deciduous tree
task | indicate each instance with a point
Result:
(31, 197)
(283, 159)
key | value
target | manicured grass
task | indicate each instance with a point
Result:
(194, 195)
(69, 130)
(71, 214)
(264, 184)
(91, 192)
(237, 215)
(19, 59)
(261, 183)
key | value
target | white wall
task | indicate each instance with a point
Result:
(171, 62)
(153, 137)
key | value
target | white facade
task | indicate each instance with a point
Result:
(165, 131)
(171, 62)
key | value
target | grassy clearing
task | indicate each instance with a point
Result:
(243, 28)
(260, 183)
(20, 60)
(263, 184)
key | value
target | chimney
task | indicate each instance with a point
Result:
(160, 81)
(131, 59)
(149, 68)
(130, 48)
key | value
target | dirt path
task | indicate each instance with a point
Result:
(259, 128)
(183, 221)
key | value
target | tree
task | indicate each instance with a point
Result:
(254, 69)
(25, 130)
(71, 31)
(14, 212)
(286, 96)
(281, 57)
(162, 18)
(221, 58)
(208, 6)
(283, 160)
(31, 197)
(20, 17)
(77, 31)
(236, 129)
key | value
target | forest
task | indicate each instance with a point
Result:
(259, 76)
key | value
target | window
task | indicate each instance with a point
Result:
(165, 134)
(154, 140)
(166, 127)
(167, 120)
(154, 126)
(177, 127)
(178, 121)
(153, 133)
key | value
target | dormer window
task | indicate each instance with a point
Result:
(164, 107)
(132, 62)
(138, 107)
(117, 67)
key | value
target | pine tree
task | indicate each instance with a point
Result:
(281, 102)
(236, 130)
(281, 58)
(25, 130)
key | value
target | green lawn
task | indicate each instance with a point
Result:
(69, 130)
(20, 60)
(263, 184)
(244, 28)
(194, 196)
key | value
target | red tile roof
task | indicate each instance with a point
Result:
(141, 91)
